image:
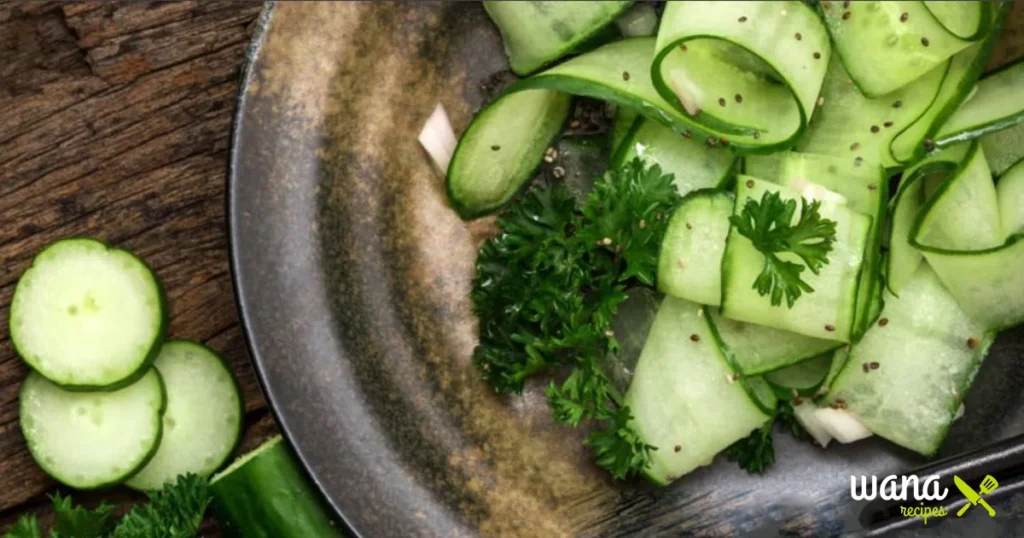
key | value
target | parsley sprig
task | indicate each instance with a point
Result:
(548, 286)
(769, 226)
(175, 512)
(756, 452)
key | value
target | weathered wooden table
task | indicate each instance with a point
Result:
(114, 123)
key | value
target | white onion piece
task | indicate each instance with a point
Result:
(687, 91)
(438, 138)
(805, 415)
(841, 425)
(813, 191)
(638, 21)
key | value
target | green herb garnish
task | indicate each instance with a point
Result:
(756, 452)
(768, 225)
(548, 286)
(174, 512)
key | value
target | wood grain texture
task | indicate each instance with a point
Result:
(116, 121)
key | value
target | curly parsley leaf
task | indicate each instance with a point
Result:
(72, 521)
(174, 512)
(756, 452)
(548, 286)
(768, 224)
(25, 527)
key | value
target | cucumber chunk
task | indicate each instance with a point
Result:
(757, 349)
(828, 312)
(686, 398)
(957, 86)
(1004, 148)
(849, 125)
(693, 163)
(888, 45)
(265, 494)
(863, 188)
(805, 376)
(89, 440)
(690, 261)
(502, 149)
(88, 316)
(996, 106)
(538, 33)
(961, 235)
(739, 67)
(905, 379)
(1010, 192)
(203, 421)
(965, 20)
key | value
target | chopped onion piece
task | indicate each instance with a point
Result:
(438, 138)
(841, 425)
(687, 91)
(639, 21)
(813, 191)
(805, 415)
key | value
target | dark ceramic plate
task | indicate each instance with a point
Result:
(352, 275)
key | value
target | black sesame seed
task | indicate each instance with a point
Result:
(817, 55)
(897, 104)
(750, 184)
(694, 338)
(858, 161)
(830, 328)
(721, 101)
(682, 47)
(872, 187)
(883, 322)
(924, 41)
(887, 124)
(904, 17)
(687, 134)
(743, 19)
(495, 147)
(739, 98)
(874, 129)
(972, 342)
(874, 365)
(757, 134)
(846, 4)
(929, 144)
(625, 75)
(865, 367)
(723, 141)
(798, 36)
(678, 448)
(846, 15)
(854, 146)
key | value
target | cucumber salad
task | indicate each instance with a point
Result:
(721, 220)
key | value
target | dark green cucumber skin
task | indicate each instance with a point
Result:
(131, 472)
(238, 390)
(154, 348)
(269, 497)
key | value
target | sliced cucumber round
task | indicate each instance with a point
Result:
(90, 440)
(203, 421)
(88, 316)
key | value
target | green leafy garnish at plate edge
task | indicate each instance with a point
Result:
(174, 512)
(548, 286)
(769, 226)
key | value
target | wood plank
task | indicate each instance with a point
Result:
(116, 125)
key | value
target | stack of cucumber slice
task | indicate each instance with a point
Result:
(822, 102)
(109, 400)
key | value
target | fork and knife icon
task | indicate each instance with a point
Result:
(988, 485)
